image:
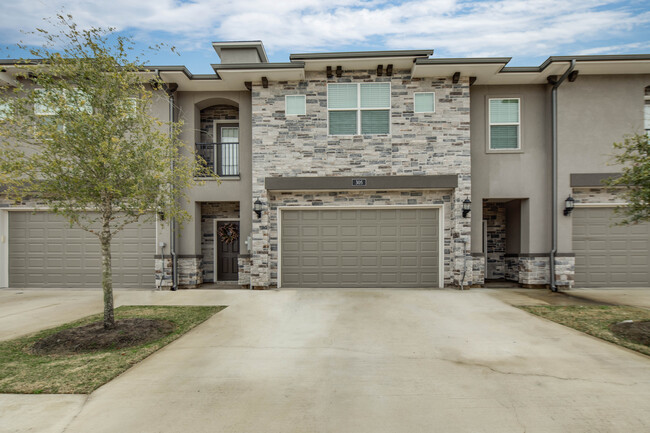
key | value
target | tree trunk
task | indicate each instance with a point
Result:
(107, 275)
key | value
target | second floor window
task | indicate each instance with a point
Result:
(355, 109)
(504, 124)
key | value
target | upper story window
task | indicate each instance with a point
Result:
(505, 131)
(424, 102)
(362, 108)
(48, 102)
(295, 105)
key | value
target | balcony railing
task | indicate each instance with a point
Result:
(221, 158)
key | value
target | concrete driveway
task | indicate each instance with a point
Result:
(358, 361)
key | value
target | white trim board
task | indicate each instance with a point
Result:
(441, 230)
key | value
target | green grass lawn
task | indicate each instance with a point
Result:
(23, 372)
(595, 320)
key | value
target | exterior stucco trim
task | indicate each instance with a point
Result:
(343, 183)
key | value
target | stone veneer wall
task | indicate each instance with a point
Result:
(598, 195)
(533, 271)
(512, 267)
(565, 270)
(209, 212)
(244, 272)
(419, 144)
(216, 112)
(189, 271)
(495, 216)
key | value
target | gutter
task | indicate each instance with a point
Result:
(172, 223)
(554, 173)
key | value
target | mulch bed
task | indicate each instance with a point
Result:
(93, 337)
(638, 332)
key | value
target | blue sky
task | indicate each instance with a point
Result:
(527, 30)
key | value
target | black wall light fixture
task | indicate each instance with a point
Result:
(569, 204)
(467, 207)
(257, 208)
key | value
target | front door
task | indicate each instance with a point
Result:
(227, 250)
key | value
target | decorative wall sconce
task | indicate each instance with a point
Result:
(257, 208)
(467, 207)
(569, 204)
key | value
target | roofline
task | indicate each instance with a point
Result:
(257, 66)
(464, 61)
(360, 54)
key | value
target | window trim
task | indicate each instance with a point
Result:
(358, 109)
(424, 93)
(304, 113)
(488, 141)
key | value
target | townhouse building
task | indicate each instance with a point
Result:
(377, 169)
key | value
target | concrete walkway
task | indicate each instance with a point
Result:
(356, 361)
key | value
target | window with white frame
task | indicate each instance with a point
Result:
(362, 108)
(505, 126)
(47, 101)
(424, 102)
(295, 105)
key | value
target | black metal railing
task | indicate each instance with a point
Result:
(220, 158)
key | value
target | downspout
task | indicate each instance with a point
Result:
(554, 172)
(172, 223)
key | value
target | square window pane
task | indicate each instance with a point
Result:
(343, 122)
(424, 103)
(504, 111)
(5, 110)
(375, 122)
(504, 137)
(375, 95)
(342, 96)
(44, 105)
(295, 105)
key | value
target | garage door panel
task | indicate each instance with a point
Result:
(608, 255)
(44, 251)
(360, 248)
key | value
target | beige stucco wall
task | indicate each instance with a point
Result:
(188, 108)
(594, 112)
(523, 174)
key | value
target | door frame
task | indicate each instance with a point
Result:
(215, 249)
(441, 230)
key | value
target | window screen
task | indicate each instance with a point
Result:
(424, 102)
(295, 105)
(504, 124)
(359, 108)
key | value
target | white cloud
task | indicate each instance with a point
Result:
(452, 27)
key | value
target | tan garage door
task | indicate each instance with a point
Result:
(45, 252)
(609, 255)
(360, 248)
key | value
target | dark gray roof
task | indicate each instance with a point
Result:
(360, 54)
(236, 66)
(464, 61)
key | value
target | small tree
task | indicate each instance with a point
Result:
(77, 134)
(635, 158)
